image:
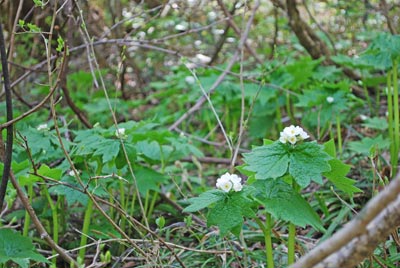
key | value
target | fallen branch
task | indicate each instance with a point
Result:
(357, 228)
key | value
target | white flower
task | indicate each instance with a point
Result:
(330, 99)
(292, 139)
(190, 80)
(43, 127)
(198, 43)
(120, 133)
(224, 184)
(293, 134)
(237, 187)
(292, 131)
(228, 181)
(212, 15)
(304, 135)
(235, 179)
(218, 31)
(180, 27)
(203, 58)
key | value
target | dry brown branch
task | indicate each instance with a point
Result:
(358, 227)
(363, 246)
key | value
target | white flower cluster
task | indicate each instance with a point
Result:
(293, 134)
(120, 133)
(229, 181)
(43, 127)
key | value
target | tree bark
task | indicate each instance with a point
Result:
(358, 238)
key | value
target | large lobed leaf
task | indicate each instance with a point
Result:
(284, 203)
(305, 162)
(16, 248)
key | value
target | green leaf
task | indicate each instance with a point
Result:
(226, 217)
(228, 213)
(269, 161)
(284, 203)
(337, 175)
(72, 194)
(364, 146)
(148, 179)
(329, 148)
(108, 149)
(307, 162)
(376, 123)
(150, 150)
(53, 173)
(204, 200)
(16, 248)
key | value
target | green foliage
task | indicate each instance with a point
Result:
(229, 212)
(365, 144)
(18, 249)
(305, 162)
(204, 200)
(284, 203)
(382, 51)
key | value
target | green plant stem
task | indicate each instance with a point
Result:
(27, 221)
(291, 243)
(339, 136)
(289, 108)
(396, 117)
(54, 215)
(278, 115)
(390, 121)
(292, 232)
(85, 229)
(124, 205)
(366, 93)
(267, 230)
(152, 205)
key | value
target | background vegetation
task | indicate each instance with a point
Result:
(126, 109)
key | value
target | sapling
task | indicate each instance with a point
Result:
(277, 172)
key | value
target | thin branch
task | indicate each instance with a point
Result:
(237, 31)
(42, 231)
(219, 80)
(9, 110)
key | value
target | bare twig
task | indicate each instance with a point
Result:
(9, 110)
(42, 231)
(238, 32)
(219, 80)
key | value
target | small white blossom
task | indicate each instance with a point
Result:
(120, 133)
(224, 184)
(303, 135)
(293, 134)
(330, 99)
(43, 127)
(198, 43)
(237, 187)
(218, 31)
(180, 27)
(203, 58)
(292, 139)
(212, 15)
(228, 181)
(190, 80)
